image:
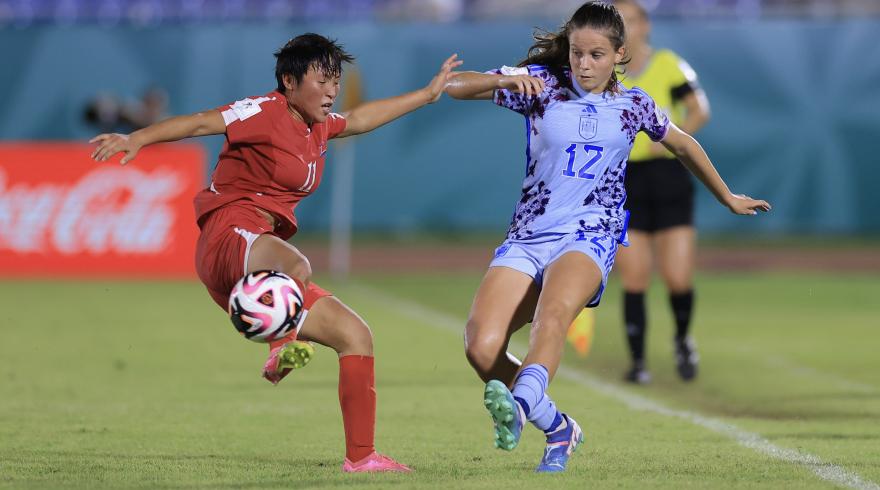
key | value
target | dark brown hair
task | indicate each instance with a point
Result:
(551, 48)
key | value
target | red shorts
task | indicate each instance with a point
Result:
(223, 248)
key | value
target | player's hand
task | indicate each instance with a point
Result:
(111, 144)
(522, 84)
(742, 204)
(440, 81)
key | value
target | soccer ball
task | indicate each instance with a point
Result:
(265, 305)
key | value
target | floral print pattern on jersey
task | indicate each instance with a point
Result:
(532, 204)
(645, 116)
(609, 192)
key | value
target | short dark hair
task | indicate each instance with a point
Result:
(307, 50)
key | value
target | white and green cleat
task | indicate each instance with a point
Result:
(506, 413)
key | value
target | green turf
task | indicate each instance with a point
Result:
(146, 385)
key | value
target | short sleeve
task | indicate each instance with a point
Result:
(247, 120)
(512, 100)
(335, 124)
(653, 121)
(683, 78)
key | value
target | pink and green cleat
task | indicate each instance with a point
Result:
(285, 358)
(375, 463)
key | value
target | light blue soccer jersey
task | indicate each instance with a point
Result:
(577, 144)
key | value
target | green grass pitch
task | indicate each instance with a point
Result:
(146, 385)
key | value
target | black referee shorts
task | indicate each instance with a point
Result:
(659, 194)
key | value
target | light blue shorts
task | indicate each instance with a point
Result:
(533, 258)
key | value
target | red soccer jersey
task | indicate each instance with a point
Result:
(270, 158)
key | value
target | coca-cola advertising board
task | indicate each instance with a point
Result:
(64, 215)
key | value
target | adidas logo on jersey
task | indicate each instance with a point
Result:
(590, 108)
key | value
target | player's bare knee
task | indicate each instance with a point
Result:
(482, 349)
(358, 339)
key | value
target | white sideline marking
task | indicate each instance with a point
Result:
(826, 471)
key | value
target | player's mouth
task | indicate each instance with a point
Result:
(327, 107)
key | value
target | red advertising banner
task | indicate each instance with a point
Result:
(64, 215)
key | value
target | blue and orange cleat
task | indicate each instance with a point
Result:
(561, 444)
(507, 414)
(285, 358)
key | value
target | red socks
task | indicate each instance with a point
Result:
(357, 397)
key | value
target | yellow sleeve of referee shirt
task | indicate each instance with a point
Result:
(667, 79)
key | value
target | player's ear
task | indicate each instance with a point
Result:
(289, 81)
(619, 55)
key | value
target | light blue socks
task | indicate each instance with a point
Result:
(529, 391)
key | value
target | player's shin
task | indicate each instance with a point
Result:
(357, 398)
(530, 392)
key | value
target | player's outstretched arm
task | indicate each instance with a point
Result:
(371, 115)
(471, 85)
(692, 155)
(172, 129)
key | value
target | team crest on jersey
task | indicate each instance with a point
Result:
(588, 127)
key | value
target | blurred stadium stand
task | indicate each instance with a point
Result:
(152, 12)
(793, 94)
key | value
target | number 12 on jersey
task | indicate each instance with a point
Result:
(593, 152)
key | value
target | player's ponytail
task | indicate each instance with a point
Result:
(613, 84)
(550, 50)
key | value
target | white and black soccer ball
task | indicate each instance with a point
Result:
(265, 305)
